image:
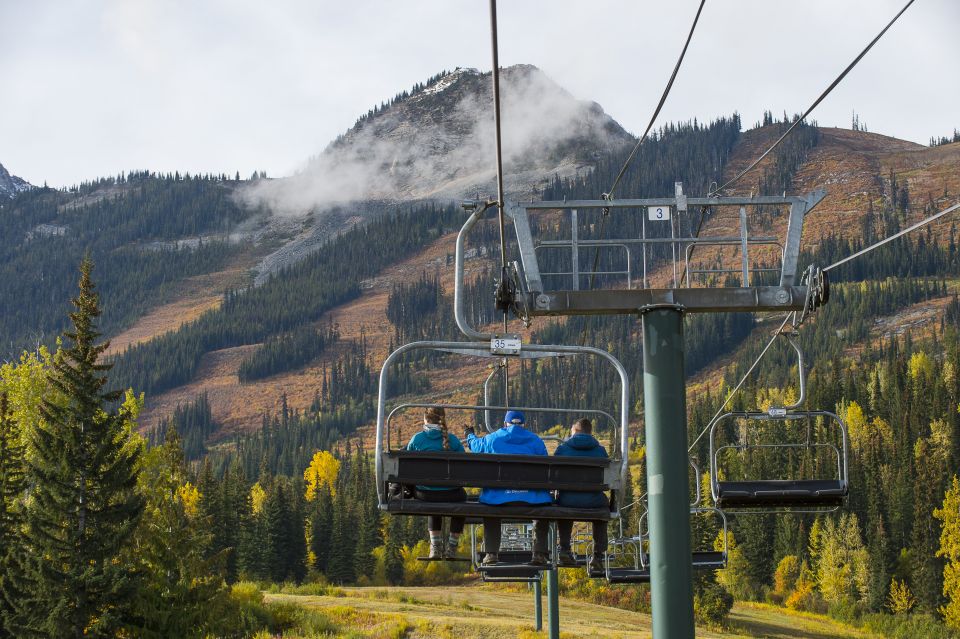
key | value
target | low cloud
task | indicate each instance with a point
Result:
(440, 143)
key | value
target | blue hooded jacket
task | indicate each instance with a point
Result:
(431, 439)
(581, 445)
(512, 439)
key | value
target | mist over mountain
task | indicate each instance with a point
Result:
(10, 185)
(438, 142)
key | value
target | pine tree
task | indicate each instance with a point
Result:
(321, 524)
(12, 547)
(85, 505)
(183, 591)
(277, 545)
(392, 557)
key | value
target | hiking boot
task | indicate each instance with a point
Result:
(566, 557)
(595, 565)
(436, 550)
(490, 559)
(538, 559)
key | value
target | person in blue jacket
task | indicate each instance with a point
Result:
(436, 437)
(512, 439)
(582, 444)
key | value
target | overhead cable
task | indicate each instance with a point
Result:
(496, 124)
(730, 395)
(656, 112)
(816, 102)
(914, 227)
(663, 98)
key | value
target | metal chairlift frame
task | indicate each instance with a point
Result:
(533, 299)
(515, 571)
(700, 560)
(797, 495)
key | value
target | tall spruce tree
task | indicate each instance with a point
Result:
(85, 504)
(12, 548)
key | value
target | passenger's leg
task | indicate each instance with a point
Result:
(491, 535)
(564, 532)
(541, 535)
(435, 530)
(599, 537)
(456, 527)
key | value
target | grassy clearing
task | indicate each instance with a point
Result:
(491, 612)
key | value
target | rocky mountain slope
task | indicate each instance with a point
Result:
(11, 185)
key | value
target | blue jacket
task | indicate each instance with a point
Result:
(510, 440)
(581, 445)
(431, 439)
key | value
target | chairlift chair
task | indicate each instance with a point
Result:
(803, 494)
(700, 559)
(522, 472)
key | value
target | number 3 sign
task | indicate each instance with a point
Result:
(658, 213)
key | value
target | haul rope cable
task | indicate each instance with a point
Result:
(816, 102)
(914, 227)
(800, 119)
(730, 395)
(663, 98)
(500, 202)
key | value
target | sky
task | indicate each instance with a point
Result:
(90, 88)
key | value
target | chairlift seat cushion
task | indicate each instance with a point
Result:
(629, 576)
(482, 470)
(470, 508)
(780, 493)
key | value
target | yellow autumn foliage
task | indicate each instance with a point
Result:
(900, 600)
(949, 549)
(189, 496)
(258, 497)
(322, 471)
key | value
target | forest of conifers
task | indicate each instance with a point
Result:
(295, 501)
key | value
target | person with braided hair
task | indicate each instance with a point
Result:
(435, 436)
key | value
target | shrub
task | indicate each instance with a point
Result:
(712, 604)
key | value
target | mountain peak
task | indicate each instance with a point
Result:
(10, 185)
(438, 141)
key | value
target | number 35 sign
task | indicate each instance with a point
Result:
(658, 213)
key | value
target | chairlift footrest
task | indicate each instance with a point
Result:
(452, 559)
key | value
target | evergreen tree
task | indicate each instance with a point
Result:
(85, 505)
(183, 593)
(392, 557)
(320, 529)
(343, 543)
(277, 542)
(12, 547)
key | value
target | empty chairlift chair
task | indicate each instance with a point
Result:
(822, 452)
(796, 493)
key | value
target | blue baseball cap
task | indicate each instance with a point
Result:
(514, 417)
